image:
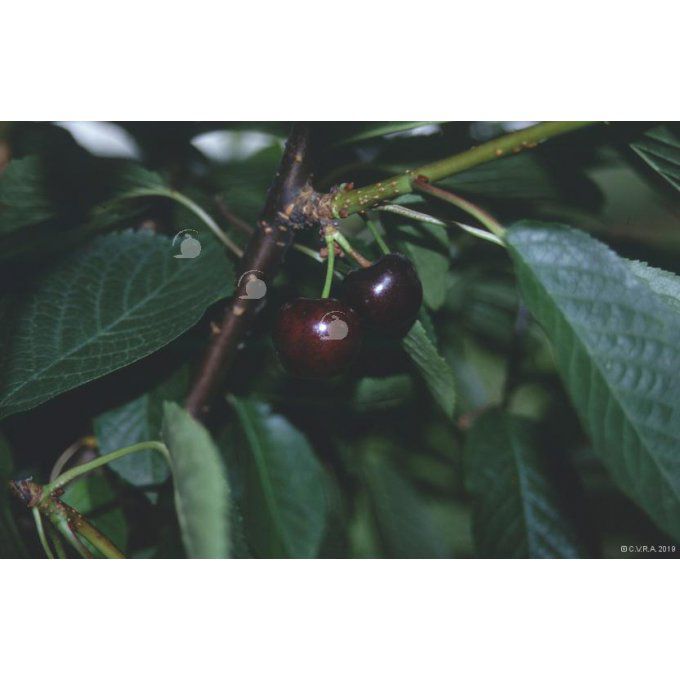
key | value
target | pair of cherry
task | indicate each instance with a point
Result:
(320, 337)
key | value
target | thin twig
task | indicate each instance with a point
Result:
(357, 200)
(470, 208)
(233, 219)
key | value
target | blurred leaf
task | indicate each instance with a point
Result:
(103, 308)
(243, 185)
(382, 393)
(516, 512)
(137, 421)
(284, 504)
(435, 371)
(201, 488)
(427, 246)
(403, 521)
(11, 545)
(616, 345)
(23, 195)
(660, 148)
(93, 496)
(348, 133)
(524, 176)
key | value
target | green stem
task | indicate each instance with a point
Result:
(196, 209)
(481, 215)
(330, 265)
(348, 202)
(309, 252)
(347, 247)
(79, 470)
(55, 537)
(41, 533)
(371, 223)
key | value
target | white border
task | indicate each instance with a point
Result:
(340, 619)
(341, 61)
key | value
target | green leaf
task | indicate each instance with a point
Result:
(285, 503)
(382, 393)
(436, 372)
(348, 133)
(516, 510)
(105, 307)
(663, 283)
(616, 345)
(201, 487)
(515, 177)
(24, 199)
(427, 246)
(660, 148)
(11, 545)
(137, 421)
(403, 521)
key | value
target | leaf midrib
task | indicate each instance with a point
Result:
(258, 454)
(100, 332)
(521, 482)
(613, 391)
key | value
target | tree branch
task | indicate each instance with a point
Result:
(291, 204)
(348, 202)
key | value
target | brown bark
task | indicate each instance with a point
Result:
(291, 204)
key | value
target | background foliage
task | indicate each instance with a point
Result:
(533, 411)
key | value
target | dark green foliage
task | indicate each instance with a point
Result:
(533, 410)
(616, 345)
(516, 511)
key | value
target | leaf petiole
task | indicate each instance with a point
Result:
(330, 264)
(79, 470)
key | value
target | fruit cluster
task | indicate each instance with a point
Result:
(319, 337)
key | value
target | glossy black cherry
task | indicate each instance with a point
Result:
(387, 295)
(317, 338)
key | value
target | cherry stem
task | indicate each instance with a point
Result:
(373, 226)
(330, 264)
(481, 215)
(347, 247)
(41, 533)
(79, 470)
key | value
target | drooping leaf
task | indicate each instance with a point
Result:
(284, 504)
(616, 344)
(516, 511)
(137, 421)
(660, 148)
(436, 372)
(103, 308)
(24, 198)
(201, 487)
(405, 526)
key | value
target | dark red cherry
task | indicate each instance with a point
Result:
(387, 295)
(317, 338)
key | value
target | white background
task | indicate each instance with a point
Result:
(339, 619)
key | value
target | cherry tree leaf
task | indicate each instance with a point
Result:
(104, 307)
(616, 339)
